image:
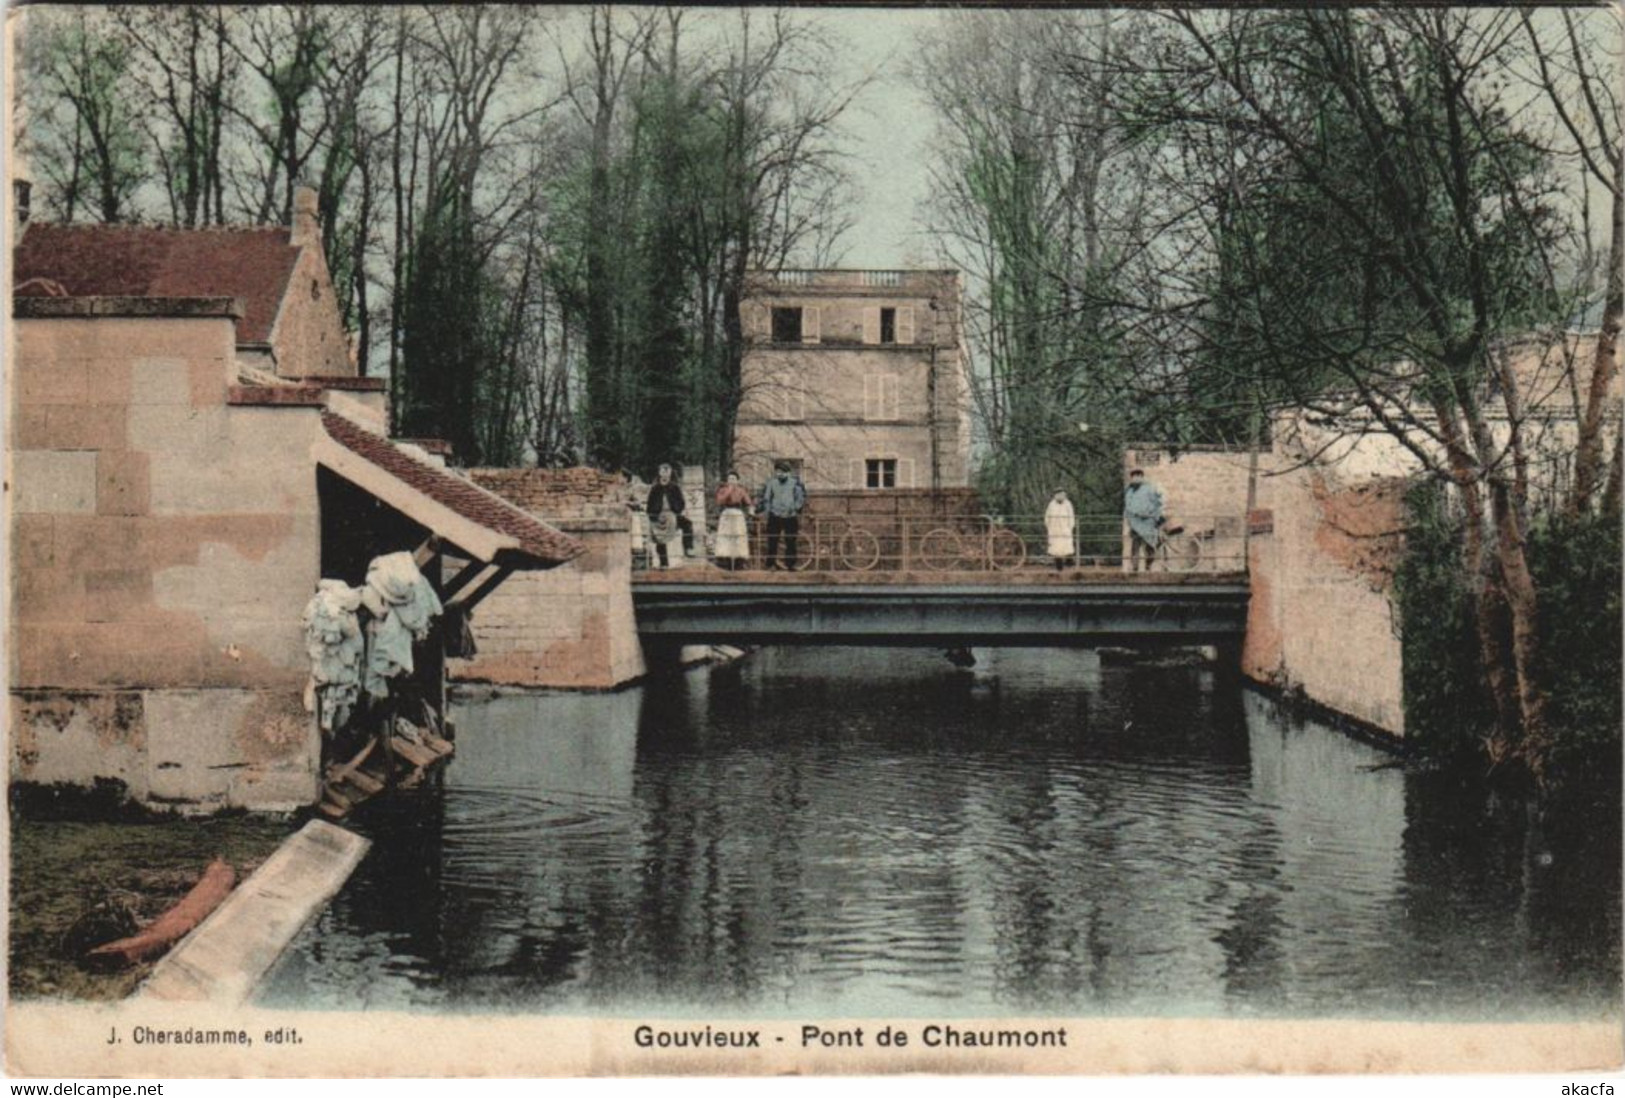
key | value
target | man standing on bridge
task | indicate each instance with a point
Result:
(782, 499)
(1142, 507)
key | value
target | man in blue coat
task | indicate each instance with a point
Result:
(782, 499)
(1142, 507)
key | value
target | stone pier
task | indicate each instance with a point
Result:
(571, 627)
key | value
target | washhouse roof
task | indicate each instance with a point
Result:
(475, 520)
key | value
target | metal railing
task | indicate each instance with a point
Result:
(958, 544)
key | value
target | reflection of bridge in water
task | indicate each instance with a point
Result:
(951, 581)
(1078, 608)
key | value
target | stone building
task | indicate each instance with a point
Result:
(189, 450)
(856, 377)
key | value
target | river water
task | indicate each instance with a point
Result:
(873, 832)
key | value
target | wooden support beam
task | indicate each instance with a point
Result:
(462, 579)
(485, 587)
(424, 553)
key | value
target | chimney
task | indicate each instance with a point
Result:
(306, 229)
(21, 190)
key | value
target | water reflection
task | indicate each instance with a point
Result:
(866, 832)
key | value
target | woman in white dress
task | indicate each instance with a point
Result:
(1061, 524)
(733, 532)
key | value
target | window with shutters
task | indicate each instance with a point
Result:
(786, 324)
(888, 325)
(880, 473)
(787, 402)
(880, 397)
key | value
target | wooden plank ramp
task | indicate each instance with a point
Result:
(227, 955)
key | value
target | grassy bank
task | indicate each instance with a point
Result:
(79, 882)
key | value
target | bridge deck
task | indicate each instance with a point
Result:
(694, 605)
(1031, 577)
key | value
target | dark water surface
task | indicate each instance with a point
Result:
(872, 832)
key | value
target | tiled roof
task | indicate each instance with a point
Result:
(538, 540)
(253, 264)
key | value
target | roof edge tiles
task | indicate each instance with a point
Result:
(474, 519)
(45, 308)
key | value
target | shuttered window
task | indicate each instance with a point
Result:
(880, 397)
(793, 403)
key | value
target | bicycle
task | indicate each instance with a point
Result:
(1181, 550)
(832, 544)
(997, 549)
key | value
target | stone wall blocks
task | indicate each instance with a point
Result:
(110, 381)
(42, 382)
(123, 482)
(30, 428)
(160, 380)
(112, 595)
(47, 595)
(33, 544)
(77, 738)
(54, 481)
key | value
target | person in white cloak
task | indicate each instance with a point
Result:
(1061, 524)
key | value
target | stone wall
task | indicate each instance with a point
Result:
(1321, 545)
(571, 626)
(164, 544)
(1322, 620)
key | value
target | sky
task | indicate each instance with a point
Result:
(888, 131)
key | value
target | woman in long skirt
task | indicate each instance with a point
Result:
(733, 532)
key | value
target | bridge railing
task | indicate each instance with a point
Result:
(981, 543)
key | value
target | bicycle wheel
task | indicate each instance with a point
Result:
(940, 550)
(859, 550)
(819, 540)
(1005, 550)
(1181, 553)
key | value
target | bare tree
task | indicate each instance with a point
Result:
(1038, 199)
(85, 134)
(181, 62)
(288, 47)
(1573, 70)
